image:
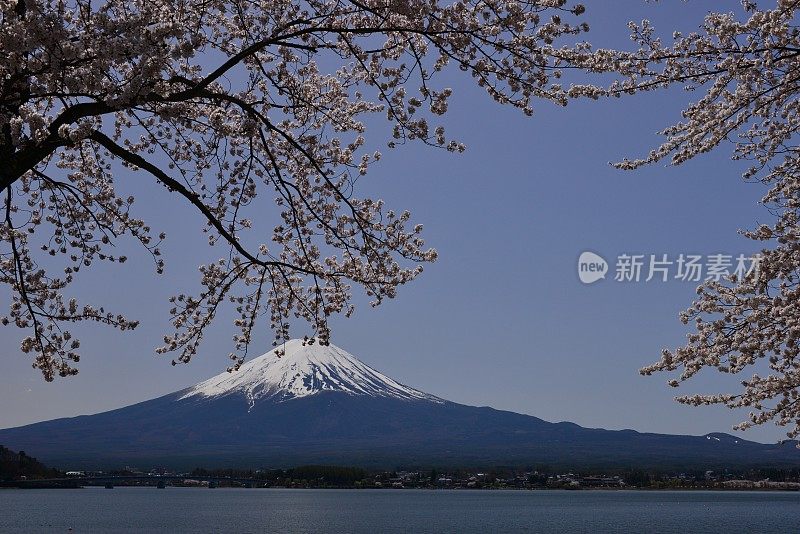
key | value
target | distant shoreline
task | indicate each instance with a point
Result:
(430, 489)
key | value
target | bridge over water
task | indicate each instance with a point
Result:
(110, 481)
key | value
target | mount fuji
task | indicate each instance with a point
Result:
(301, 371)
(320, 404)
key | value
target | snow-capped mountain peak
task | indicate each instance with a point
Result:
(304, 370)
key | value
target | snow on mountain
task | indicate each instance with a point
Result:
(304, 370)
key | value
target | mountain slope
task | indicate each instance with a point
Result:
(322, 405)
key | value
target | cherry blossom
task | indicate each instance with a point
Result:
(238, 108)
(745, 69)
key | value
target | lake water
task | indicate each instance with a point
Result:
(270, 510)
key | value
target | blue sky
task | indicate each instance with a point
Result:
(501, 319)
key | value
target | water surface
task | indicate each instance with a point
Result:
(98, 510)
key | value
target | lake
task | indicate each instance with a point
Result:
(267, 510)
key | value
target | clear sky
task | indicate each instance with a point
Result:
(502, 318)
